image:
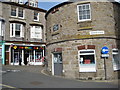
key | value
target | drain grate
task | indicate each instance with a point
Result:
(36, 83)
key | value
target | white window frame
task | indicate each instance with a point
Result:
(1, 31)
(33, 35)
(23, 13)
(37, 16)
(14, 27)
(87, 67)
(17, 11)
(79, 13)
(116, 66)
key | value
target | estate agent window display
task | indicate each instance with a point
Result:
(87, 60)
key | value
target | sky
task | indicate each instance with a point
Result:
(47, 4)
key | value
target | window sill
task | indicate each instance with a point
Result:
(84, 21)
(36, 20)
(17, 17)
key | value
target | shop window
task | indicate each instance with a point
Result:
(116, 59)
(84, 12)
(36, 16)
(87, 61)
(16, 30)
(36, 32)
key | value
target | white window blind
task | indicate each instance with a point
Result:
(36, 32)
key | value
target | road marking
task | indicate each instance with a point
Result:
(42, 71)
(7, 86)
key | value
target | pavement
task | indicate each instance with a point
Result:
(40, 69)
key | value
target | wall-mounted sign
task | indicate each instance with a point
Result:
(55, 27)
(96, 32)
(105, 50)
(105, 55)
(27, 47)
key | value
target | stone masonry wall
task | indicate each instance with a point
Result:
(28, 20)
(72, 34)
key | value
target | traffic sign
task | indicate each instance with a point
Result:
(105, 50)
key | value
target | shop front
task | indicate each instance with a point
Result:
(27, 55)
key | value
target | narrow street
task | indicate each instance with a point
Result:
(32, 77)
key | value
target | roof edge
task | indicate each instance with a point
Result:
(59, 5)
(26, 6)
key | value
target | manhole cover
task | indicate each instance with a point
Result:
(36, 83)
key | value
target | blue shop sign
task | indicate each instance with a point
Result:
(105, 50)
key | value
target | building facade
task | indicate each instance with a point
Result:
(24, 34)
(83, 40)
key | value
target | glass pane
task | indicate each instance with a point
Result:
(88, 17)
(83, 6)
(57, 57)
(84, 12)
(36, 15)
(87, 7)
(17, 33)
(84, 17)
(80, 17)
(20, 13)
(87, 59)
(13, 11)
(18, 26)
(80, 8)
(88, 12)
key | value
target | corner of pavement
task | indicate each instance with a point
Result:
(114, 81)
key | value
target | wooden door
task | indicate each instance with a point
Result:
(7, 58)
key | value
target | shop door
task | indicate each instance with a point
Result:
(58, 65)
(7, 58)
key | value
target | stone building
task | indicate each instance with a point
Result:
(24, 34)
(83, 40)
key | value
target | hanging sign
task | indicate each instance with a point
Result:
(15, 47)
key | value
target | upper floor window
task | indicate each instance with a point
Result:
(13, 11)
(20, 12)
(2, 27)
(16, 30)
(84, 12)
(17, 12)
(36, 32)
(36, 16)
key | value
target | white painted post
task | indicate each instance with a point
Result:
(22, 57)
(34, 57)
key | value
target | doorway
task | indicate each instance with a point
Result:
(26, 57)
(57, 64)
(7, 58)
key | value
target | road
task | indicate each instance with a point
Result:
(29, 78)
